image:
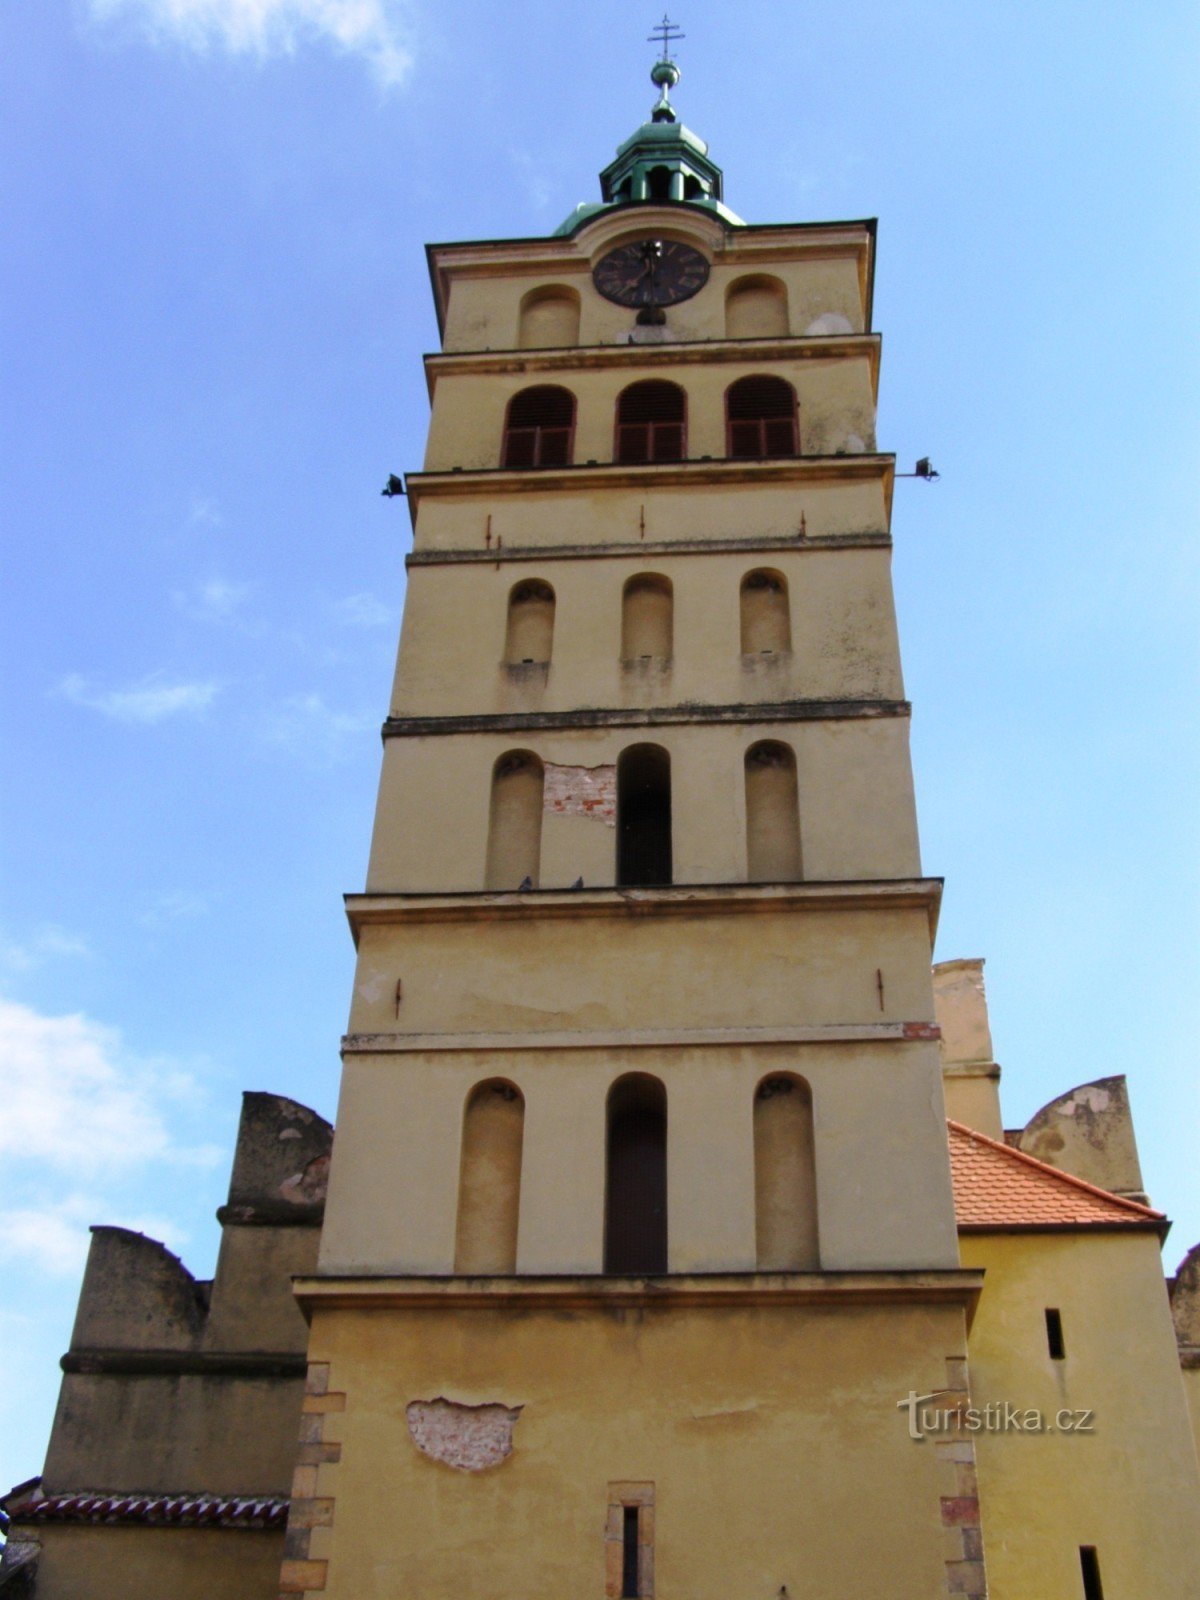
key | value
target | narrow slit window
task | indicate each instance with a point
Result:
(1089, 1564)
(629, 1553)
(1054, 1334)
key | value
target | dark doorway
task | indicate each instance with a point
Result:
(635, 1194)
(643, 816)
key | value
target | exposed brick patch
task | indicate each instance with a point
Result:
(581, 792)
(966, 1573)
(300, 1574)
(922, 1030)
(470, 1438)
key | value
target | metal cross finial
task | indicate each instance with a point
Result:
(665, 35)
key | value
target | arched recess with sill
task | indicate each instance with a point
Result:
(489, 1180)
(756, 308)
(635, 1188)
(766, 617)
(647, 618)
(658, 184)
(643, 816)
(539, 427)
(761, 421)
(772, 814)
(785, 1176)
(530, 632)
(549, 318)
(515, 823)
(651, 422)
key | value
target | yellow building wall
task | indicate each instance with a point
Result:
(772, 1438)
(135, 1563)
(1129, 1486)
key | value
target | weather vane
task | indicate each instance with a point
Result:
(665, 35)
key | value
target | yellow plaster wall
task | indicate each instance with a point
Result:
(771, 1437)
(857, 811)
(1130, 1487)
(844, 643)
(125, 1563)
(836, 406)
(881, 1164)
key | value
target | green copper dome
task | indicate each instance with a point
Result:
(662, 162)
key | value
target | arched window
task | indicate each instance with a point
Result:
(761, 414)
(766, 623)
(647, 618)
(635, 1189)
(489, 1180)
(515, 825)
(539, 426)
(658, 183)
(549, 318)
(530, 623)
(785, 1176)
(643, 816)
(651, 422)
(756, 308)
(772, 814)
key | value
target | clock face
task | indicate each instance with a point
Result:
(650, 272)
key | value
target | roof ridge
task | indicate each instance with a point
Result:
(1069, 1178)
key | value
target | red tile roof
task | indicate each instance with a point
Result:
(998, 1188)
(157, 1510)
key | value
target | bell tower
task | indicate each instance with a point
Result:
(640, 1220)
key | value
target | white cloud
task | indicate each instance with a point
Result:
(362, 611)
(152, 700)
(54, 1235)
(204, 513)
(308, 726)
(176, 906)
(372, 29)
(49, 943)
(75, 1100)
(212, 600)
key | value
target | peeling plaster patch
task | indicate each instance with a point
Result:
(853, 445)
(372, 988)
(307, 1187)
(1090, 1098)
(581, 792)
(829, 322)
(467, 1437)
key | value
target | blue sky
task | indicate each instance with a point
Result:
(214, 302)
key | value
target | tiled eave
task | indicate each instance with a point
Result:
(28, 1505)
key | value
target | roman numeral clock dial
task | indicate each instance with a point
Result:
(650, 274)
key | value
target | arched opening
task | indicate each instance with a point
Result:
(530, 623)
(651, 422)
(635, 1189)
(549, 318)
(515, 825)
(647, 618)
(643, 816)
(539, 426)
(489, 1180)
(658, 183)
(766, 621)
(756, 308)
(693, 189)
(785, 1176)
(772, 814)
(761, 419)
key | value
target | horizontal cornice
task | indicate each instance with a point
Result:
(676, 354)
(645, 717)
(716, 1291)
(657, 1039)
(678, 900)
(734, 545)
(186, 1363)
(719, 471)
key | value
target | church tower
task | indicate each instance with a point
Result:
(640, 1220)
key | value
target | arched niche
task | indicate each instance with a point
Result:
(647, 618)
(549, 318)
(635, 1188)
(785, 1176)
(643, 816)
(765, 614)
(772, 814)
(515, 822)
(756, 308)
(489, 1182)
(530, 632)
